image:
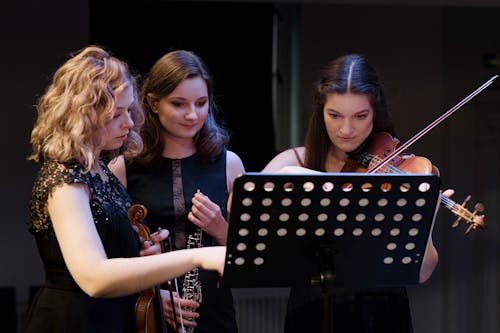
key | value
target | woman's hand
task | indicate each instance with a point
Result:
(448, 193)
(210, 258)
(188, 317)
(207, 215)
(153, 246)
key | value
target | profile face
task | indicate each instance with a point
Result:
(348, 120)
(116, 129)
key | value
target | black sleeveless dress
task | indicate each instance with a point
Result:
(60, 305)
(166, 189)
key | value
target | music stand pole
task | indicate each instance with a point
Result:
(325, 280)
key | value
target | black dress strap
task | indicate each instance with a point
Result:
(298, 157)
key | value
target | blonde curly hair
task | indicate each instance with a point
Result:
(77, 104)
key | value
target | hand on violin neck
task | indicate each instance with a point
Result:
(154, 245)
(448, 193)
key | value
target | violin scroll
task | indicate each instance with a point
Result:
(476, 219)
(136, 215)
(148, 308)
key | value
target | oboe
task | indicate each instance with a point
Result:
(191, 287)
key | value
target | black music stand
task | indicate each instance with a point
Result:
(325, 229)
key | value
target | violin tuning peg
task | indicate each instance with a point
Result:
(469, 229)
(479, 207)
(479, 222)
(456, 223)
(467, 199)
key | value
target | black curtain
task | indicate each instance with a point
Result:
(234, 39)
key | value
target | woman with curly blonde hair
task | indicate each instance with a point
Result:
(79, 210)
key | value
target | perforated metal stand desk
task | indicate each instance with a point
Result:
(329, 229)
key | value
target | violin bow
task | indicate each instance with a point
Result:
(426, 129)
(476, 221)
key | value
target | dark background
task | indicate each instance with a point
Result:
(235, 40)
(264, 57)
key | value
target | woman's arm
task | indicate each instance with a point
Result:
(431, 255)
(430, 261)
(234, 168)
(99, 276)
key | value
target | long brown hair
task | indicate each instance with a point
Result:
(165, 75)
(346, 74)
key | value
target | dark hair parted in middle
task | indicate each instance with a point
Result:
(347, 74)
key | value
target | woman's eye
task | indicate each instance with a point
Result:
(201, 103)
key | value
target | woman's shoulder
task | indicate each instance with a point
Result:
(117, 167)
(232, 157)
(234, 164)
(53, 175)
(297, 152)
(289, 157)
(62, 172)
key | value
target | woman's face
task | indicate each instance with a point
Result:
(348, 120)
(182, 113)
(117, 128)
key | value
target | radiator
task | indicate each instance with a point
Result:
(260, 310)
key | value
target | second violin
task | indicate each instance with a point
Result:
(148, 308)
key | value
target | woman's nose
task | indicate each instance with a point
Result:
(128, 122)
(346, 127)
(191, 112)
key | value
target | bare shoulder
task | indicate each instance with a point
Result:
(234, 161)
(233, 158)
(117, 167)
(290, 157)
(234, 168)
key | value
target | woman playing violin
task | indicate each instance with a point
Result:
(350, 107)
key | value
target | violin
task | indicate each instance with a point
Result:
(381, 146)
(148, 308)
(385, 154)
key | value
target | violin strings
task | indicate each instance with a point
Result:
(449, 203)
(391, 168)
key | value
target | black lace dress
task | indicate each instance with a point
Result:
(60, 305)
